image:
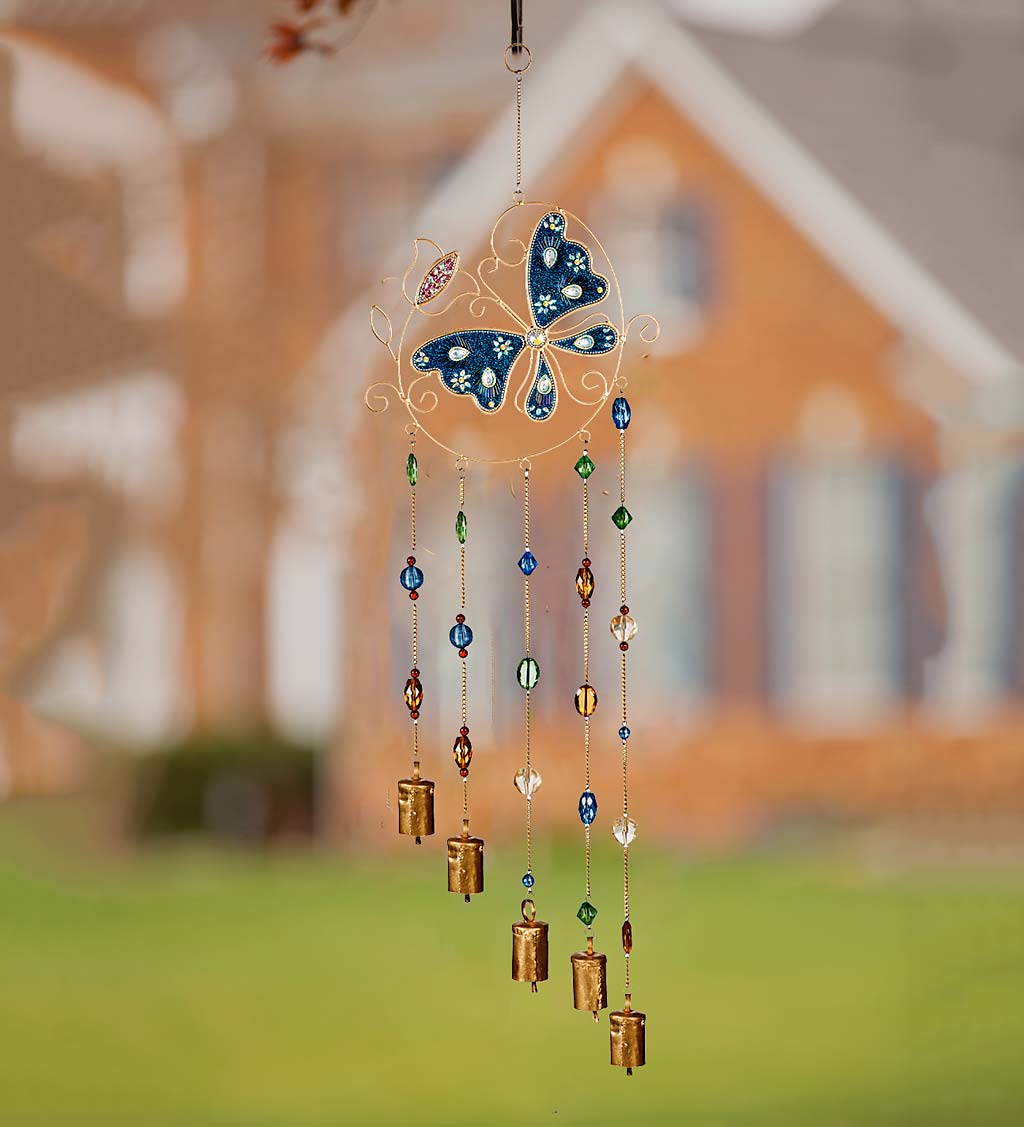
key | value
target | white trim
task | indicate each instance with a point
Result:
(614, 38)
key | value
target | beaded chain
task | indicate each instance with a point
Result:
(461, 637)
(527, 778)
(412, 580)
(586, 697)
(623, 628)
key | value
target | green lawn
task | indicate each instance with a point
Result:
(196, 988)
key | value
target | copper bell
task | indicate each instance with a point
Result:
(589, 979)
(626, 1028)
(530, 948)
(466, 863)
(416, 806)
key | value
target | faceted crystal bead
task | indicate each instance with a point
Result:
(411, 577)
(621, 517)
(627, 936)
(584, 582)
(624, 733)
(623, 627)
(527, 562)
(585, 466)
(462, 750)
(461, 527)
(413, 693)
(528, 673)
(528, 880)
(588, 807)
(621, 413)
(587, 913)
(586, 700)
(412, 469)
(527, 782)
(460, 635)
(624, 830)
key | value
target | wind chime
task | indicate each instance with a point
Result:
(558, 344)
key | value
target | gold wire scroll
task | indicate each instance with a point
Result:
(596, 385)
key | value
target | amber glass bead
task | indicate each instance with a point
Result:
(584, 583)
(586, 700)
(462, 750)
(413, 693)
(627, 936)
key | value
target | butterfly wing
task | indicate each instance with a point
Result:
(543, 395)
(473, 362)
(558, 274)
(595, 341)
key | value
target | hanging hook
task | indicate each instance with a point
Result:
(517, 28)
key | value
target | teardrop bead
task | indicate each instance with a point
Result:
(412, 469)
(413, 693)
(461, 527)
(528, 673)
(624, 830)
(462, 750)
(623, 627)
(586, 700)
(588, 807)
(527, 782)
(584, 583)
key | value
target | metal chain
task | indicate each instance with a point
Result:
(415, 613)
(526, 634)
(586, 674)
(625, 743)
(462, 607)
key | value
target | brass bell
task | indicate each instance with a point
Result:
(465, 863)
(530, 948)
(626, 1029)
(589, 979)
(416, 806)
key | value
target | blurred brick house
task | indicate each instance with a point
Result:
(824, 435)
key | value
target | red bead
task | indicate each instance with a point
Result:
(414, 673)
(586, 561)
(584, 603)
(463, 771)
(414, 595)
(463, 653)
(460, 618)
(623, 646)
(414, 714)
(623, 609)
(411, 560)
(463, 731)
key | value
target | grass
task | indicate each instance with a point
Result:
(197, 988)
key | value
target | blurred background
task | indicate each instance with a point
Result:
(208, 917)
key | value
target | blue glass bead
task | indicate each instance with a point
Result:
(621, 414)
(623, 733)
(528, 881)
(411, 578)
(588, 807)
(527, 562)
(460, 636)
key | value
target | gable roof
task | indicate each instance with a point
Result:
(615, 39)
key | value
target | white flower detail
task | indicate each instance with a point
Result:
(502, 346)
(544, 303)
(578, 261)
(421, 358)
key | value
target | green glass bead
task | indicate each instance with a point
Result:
(461, 527)
(587, 913)
(528, 673)
(412, 469)
(621, 517)
(585, 466)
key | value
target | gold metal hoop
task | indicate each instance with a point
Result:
(529, 58)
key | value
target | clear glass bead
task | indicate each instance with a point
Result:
(623, 627)
(624, 830)
(527, 782)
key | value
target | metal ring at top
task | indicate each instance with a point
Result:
(528, 910)
(529, 58)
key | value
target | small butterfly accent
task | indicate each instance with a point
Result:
(479, 362)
